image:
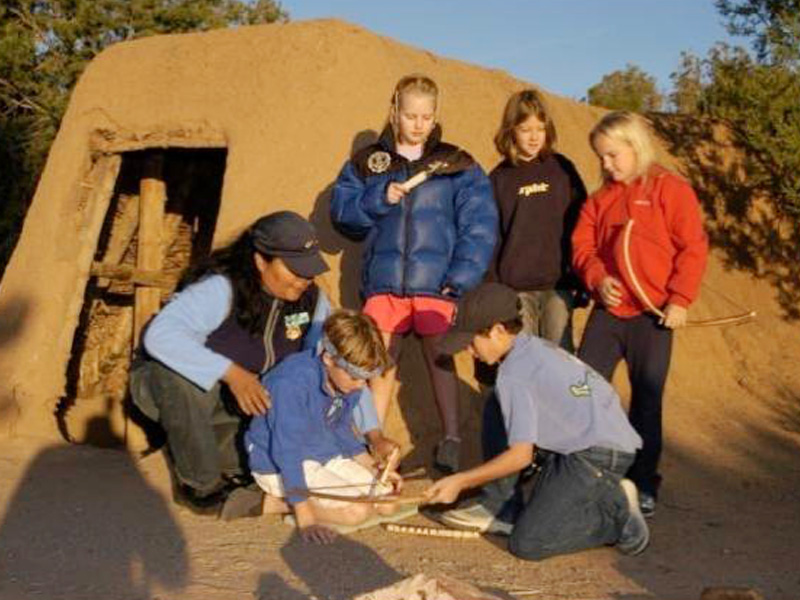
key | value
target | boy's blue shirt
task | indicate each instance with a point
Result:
(553, 400)
(303, 423)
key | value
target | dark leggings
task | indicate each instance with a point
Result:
(646, 347)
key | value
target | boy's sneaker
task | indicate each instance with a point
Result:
(475, 518)
(635, 534)
(447, 456)
(647, 504)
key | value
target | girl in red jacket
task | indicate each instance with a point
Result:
(667, 249)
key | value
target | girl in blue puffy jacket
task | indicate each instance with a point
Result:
(424, 245)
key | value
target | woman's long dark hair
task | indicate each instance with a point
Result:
(236, 262)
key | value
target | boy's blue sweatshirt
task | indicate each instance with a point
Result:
(306, 422)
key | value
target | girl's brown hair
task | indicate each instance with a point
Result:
(520, 106)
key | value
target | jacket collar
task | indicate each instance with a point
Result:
(386, 140)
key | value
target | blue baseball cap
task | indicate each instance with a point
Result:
(293, 239)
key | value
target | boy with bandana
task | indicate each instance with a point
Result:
(307, 440)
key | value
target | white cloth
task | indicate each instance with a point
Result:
(329, 478)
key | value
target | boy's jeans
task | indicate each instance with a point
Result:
(576, 501)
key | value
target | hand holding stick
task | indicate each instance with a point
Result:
(391, 465)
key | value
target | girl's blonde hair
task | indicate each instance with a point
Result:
(520, 106)
(357, 340)
(413, 83)
(627, 127)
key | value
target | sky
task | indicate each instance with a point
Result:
(564, 46)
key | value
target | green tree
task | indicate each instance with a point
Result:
(687, 84)
(631, 89)
(757, 95)
(772, 25)
(44, 47)
(760, 104)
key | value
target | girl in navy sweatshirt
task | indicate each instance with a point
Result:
(539, 194)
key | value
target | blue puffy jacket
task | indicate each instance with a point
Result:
(441, 235)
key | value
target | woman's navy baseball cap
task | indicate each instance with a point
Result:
(292, 238)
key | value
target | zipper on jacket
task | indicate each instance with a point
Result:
(269, 331)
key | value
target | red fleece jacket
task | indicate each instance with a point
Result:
(668, 246)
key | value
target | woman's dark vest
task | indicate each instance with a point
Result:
(286, 326)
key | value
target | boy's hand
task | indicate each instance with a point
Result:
(318, 534)
(245, 386)
(444, 491)
(310, 530)
(394, 479)
(380, 446)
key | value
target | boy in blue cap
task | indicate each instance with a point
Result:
(557, 409)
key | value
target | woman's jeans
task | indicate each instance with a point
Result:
(203, 429)
(576, 501)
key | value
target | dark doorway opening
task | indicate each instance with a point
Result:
(102, 349)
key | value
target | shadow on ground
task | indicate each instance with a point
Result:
(323, 571)
(81, 528)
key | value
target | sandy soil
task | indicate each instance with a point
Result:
(78, 522)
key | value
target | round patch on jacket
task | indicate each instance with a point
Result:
(379, 161)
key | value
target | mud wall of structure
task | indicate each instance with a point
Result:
(288, 103)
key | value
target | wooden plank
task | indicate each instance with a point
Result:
(149, 255)
(164, 280)
(122, 234)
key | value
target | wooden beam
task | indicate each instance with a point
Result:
(122, 233)
(152, 198)
(165, 280)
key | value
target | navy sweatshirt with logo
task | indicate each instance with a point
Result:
(539, 202)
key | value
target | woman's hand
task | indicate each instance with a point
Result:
(444, 491)
(674, 316)
(610, 291)
(395, 192)
(245, 386)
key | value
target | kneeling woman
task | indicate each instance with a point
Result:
(237, 314)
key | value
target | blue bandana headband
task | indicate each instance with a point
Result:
(353, 370)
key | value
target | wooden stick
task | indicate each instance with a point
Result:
(645, 299)
(431, 531)
(391, 465)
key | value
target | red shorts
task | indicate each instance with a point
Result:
(396, 314)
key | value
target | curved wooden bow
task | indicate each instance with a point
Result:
(363, 499)
(644, 299)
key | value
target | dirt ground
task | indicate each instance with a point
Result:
(78, 522)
